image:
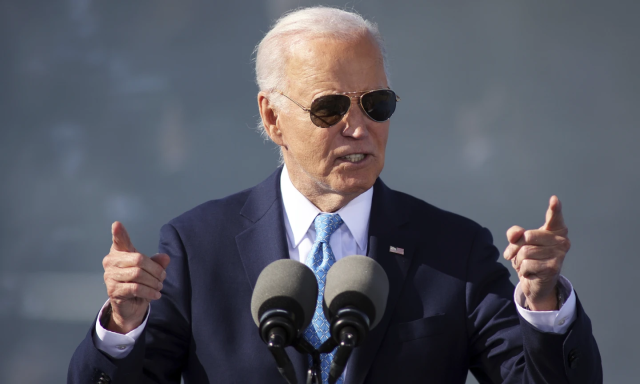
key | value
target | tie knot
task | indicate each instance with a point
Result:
(326, 224)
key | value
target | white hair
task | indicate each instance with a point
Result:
(300, 25)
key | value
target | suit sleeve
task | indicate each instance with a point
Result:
(505, 348)
(160, 353)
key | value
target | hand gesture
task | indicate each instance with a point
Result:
(132, 280)
(537, 256)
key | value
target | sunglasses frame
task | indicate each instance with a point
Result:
(348, 94)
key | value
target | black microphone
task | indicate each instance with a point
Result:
(282, 306)
(355, 297)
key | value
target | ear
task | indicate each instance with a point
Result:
(269, 116)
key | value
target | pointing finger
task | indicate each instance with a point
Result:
(120, 238)
(554, 220)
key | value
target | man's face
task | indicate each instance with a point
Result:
(320, 160)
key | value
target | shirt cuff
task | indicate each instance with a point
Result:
(550, 321)
(115, 344)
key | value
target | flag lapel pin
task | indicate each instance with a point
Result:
(399, 251)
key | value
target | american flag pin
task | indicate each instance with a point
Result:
(399, 251)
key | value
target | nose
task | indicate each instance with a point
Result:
(356, 122)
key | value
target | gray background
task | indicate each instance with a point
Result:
(139, 110)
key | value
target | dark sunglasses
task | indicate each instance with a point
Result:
(328, 110)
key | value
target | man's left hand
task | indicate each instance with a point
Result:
(537, 256)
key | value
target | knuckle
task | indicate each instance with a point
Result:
(138, 259)
(524, 268)
(155, 270)
(549, 266)
(508, 252)
(136, 290)
(106, 261)
(528, 236)
(553, 268)
(136, 274)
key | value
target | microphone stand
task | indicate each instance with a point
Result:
(277, 330)
(276, 345)
(314, 375)
(349, 328)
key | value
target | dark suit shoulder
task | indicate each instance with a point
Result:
(421, 214)
(213, 210)
(229, 215)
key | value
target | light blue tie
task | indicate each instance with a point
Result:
(320, 259)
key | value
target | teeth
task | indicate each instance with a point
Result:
(354, 158)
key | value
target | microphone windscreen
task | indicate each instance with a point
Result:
(360, 282)
(286, 285)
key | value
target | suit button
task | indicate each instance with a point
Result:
(574, 358)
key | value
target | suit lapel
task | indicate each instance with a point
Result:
(385, 231)
(265, 241)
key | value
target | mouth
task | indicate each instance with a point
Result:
(354, 157)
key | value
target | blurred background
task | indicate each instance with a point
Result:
(139, 110)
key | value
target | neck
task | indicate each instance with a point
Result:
(319, 194)
(326, 202)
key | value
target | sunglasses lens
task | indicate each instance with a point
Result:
(328, 110)
(379, 105)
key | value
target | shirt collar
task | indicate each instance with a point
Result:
(301, 212)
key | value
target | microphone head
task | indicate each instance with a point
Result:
(286, 285)
(359, 282)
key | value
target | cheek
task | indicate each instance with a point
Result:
(305, 141)
(292, 130)
(381, 138)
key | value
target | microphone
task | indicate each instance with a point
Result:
(355, 297)
(282, 306)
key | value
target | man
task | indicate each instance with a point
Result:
(325, 101)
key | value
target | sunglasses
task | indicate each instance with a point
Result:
(326, 111)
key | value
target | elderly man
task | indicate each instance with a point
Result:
(325, 101)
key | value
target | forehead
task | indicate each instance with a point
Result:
(328, 64)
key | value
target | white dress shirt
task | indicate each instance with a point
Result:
(299, 213)
(349, 239)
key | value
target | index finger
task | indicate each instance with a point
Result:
(554, 220)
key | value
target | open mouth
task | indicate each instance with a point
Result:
(354, 158)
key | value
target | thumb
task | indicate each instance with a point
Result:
(120, 238)
(554, 219)
(161, 258)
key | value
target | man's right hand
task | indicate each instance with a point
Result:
(132, 280)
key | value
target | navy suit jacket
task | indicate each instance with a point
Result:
(450, 307)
